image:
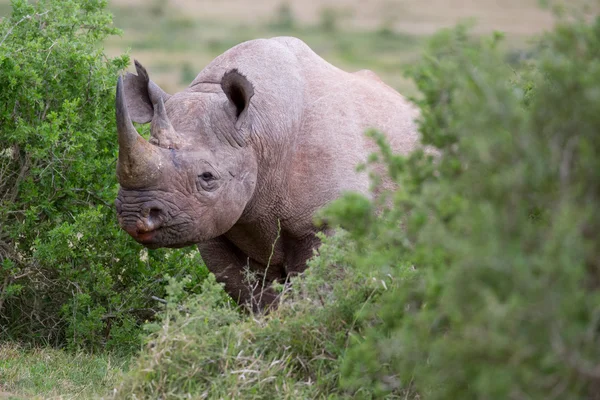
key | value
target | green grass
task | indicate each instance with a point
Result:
(51, 373)
(213, 351)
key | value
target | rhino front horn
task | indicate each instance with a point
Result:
(139, 162)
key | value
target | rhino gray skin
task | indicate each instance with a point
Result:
(265, 135)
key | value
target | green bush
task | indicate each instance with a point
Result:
(503, 233)
(478, 278)
(68, 275)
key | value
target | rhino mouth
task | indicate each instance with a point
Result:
(147, 237)
(146, 232)
(157, 237)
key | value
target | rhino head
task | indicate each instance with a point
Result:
(194, 178)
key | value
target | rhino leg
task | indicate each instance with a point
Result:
(231, 267)
(298, 250)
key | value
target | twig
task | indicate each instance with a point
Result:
(22, 275)
(269, 261)
(129, 311)
(46, 60)
(95, 196)
(21, 20)
(159, 299)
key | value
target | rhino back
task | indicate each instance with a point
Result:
(310, 125)
(339, 107)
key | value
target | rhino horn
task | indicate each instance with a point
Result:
(140, 162)
(163, 134)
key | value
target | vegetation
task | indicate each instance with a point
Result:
(25, 373)
(68, 275)
(478, 278)
(490, 290)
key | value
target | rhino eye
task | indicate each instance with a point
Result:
(207, 182)
(207, 176)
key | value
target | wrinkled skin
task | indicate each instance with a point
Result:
(203, 190)
(239, 161)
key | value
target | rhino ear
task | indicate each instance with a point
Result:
(141, 93)
(239, 91)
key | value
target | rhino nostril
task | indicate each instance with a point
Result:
(151, 219)
(152, 211)
(155, 213)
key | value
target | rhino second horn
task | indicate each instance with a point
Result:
(139, 162)
(163, 133)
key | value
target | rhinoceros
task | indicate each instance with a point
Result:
(239, 161)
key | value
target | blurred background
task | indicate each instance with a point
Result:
(175, 39)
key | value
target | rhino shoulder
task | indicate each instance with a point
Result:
(293, 44)
(367, 73)
(257, 58)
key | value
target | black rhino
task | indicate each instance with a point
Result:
(265, 135)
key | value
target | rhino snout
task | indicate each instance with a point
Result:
(143, 226)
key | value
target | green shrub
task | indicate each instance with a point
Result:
(478, 278)
(68, 275)
(503, 233)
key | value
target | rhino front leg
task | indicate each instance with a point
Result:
(298, 250)
(230, 266)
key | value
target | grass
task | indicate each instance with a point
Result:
(52, 373)
(213, 351)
